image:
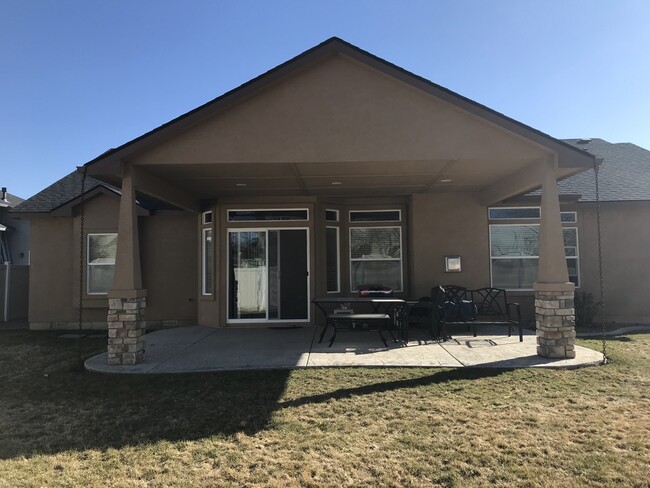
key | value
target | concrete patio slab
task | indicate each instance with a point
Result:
(200, 349)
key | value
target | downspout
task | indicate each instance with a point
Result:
(7, 281)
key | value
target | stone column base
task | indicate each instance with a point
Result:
(555, 320)
(126, 329)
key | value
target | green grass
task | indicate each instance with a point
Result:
(321, 427)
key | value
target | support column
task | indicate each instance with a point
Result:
(127, 299)
(554, 297)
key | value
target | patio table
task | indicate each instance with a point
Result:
(382, 308)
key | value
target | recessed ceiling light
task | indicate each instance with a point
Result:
(446, 180)
(241, 184)
(336, 182)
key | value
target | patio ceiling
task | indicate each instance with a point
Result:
(358, 178)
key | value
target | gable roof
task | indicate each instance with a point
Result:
(624, 174)
(569, 155)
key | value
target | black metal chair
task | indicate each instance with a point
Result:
(426, 312)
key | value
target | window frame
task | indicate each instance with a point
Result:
(400, 259)
(89, 264)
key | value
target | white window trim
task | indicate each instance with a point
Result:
(350, 212)
(89, 264)
(266, 231)
(338, 261)
(228, 212)
(576, 257)
(203, 259)
(514, 208)
(400, 259)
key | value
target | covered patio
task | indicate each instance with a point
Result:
(203, 349)
(334, 170)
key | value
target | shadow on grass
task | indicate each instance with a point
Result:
(438, 377)
(46, 407)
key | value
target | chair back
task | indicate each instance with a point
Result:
(490, 301)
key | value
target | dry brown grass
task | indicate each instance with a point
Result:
(322, 427)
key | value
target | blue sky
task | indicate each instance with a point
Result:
(78, 77)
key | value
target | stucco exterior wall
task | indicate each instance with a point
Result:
(626, 258)
(169, 255)
(50, 272)
(448, 224)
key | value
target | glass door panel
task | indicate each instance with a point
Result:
(268, 275)
(247, 275)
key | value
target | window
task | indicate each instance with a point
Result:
(376, 257)
(207, 261)
(514, 253)
(274, 215)
(101, 263)
(514, 213)
(375, 215)
(332, 260)
(568, 217)
(331, 215)
(207, 217)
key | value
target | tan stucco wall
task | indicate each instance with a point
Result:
(626, 258)
(342, 110)
(50, 271)
(449, 225)
(168, 266)
(169, 271)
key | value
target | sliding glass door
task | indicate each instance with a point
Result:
(268, 275)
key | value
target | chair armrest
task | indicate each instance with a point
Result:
(518, 310)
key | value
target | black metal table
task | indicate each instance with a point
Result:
(382, 308)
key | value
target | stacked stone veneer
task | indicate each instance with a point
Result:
(555, 321)
(126, 329)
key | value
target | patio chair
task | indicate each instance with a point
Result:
(427, 312)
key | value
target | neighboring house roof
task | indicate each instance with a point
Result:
(624, 174)
(57, 194)
(11, 201)
(68, 189)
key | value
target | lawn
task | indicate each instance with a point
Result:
(321, 427)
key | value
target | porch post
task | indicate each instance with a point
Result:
(126, 300)
(554, 298)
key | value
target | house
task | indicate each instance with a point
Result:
(14, 260)
(334, 170)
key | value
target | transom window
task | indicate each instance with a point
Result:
(270, 215)
(514, 213)
(376, 257)
(101, 263)
(331, 215)
(375, 215)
